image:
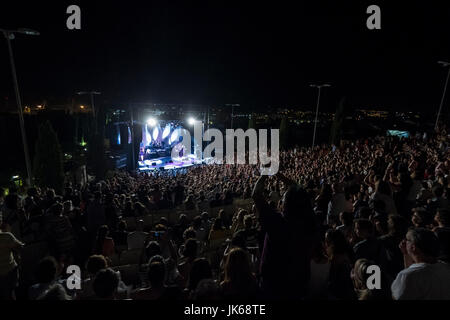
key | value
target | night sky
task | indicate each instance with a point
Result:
(214, 52)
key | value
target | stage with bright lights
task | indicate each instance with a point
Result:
(167, 163)
(159, 138)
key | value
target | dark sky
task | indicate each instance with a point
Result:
(217, 51)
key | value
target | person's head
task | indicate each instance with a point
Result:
(205, 216)
(346, 218)
(105, 284)
(47, 270)
(360, 275)
(95, 263)
(102, 232)
(421, 218)
(163, 221)
(189, 233)
(422, 245)
(442, 217)
(153, 249)
(380, 224)
(335, 244)
(183, 219)
(197, 222)
(200, 270)
(397, 226)
(50, 194)
(248, 222)
(190, 248)
(438, 191)
(363, 228)
(68, 191)
(239, 239)
(156, 274)
(122, 226)
(297, 207)
(140, 225)
(383, 187)
(68, 206)
(55, 293)
(237, 266)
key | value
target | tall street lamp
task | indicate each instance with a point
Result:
(318, 86)
(445, 65)
(9, 35)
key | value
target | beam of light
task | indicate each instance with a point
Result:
(174, 136)
(148, 136)
(152, 122)
(129, 136)
(166, 131)
(155, 134)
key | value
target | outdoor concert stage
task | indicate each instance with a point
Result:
(159, 139)
(166, 163)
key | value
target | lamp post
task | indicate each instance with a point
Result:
(445, 65)
(320, 86)
(9, 35)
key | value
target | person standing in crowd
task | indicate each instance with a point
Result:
(9, 271)
(424, 277)
(289, 239)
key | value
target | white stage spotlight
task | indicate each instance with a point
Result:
(152, 122)
(191, 121)
(166, 132)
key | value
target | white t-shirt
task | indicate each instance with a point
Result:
(423, 281)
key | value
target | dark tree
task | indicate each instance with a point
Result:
(48, 159)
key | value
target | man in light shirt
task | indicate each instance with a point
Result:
(9, 275)
(425, 278)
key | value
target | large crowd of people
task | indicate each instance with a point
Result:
(313, 231)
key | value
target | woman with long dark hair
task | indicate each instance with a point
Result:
(289, 239)
(239, 281)
(339, 255)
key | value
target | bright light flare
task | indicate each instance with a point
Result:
(152, 122)
(191, 121)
